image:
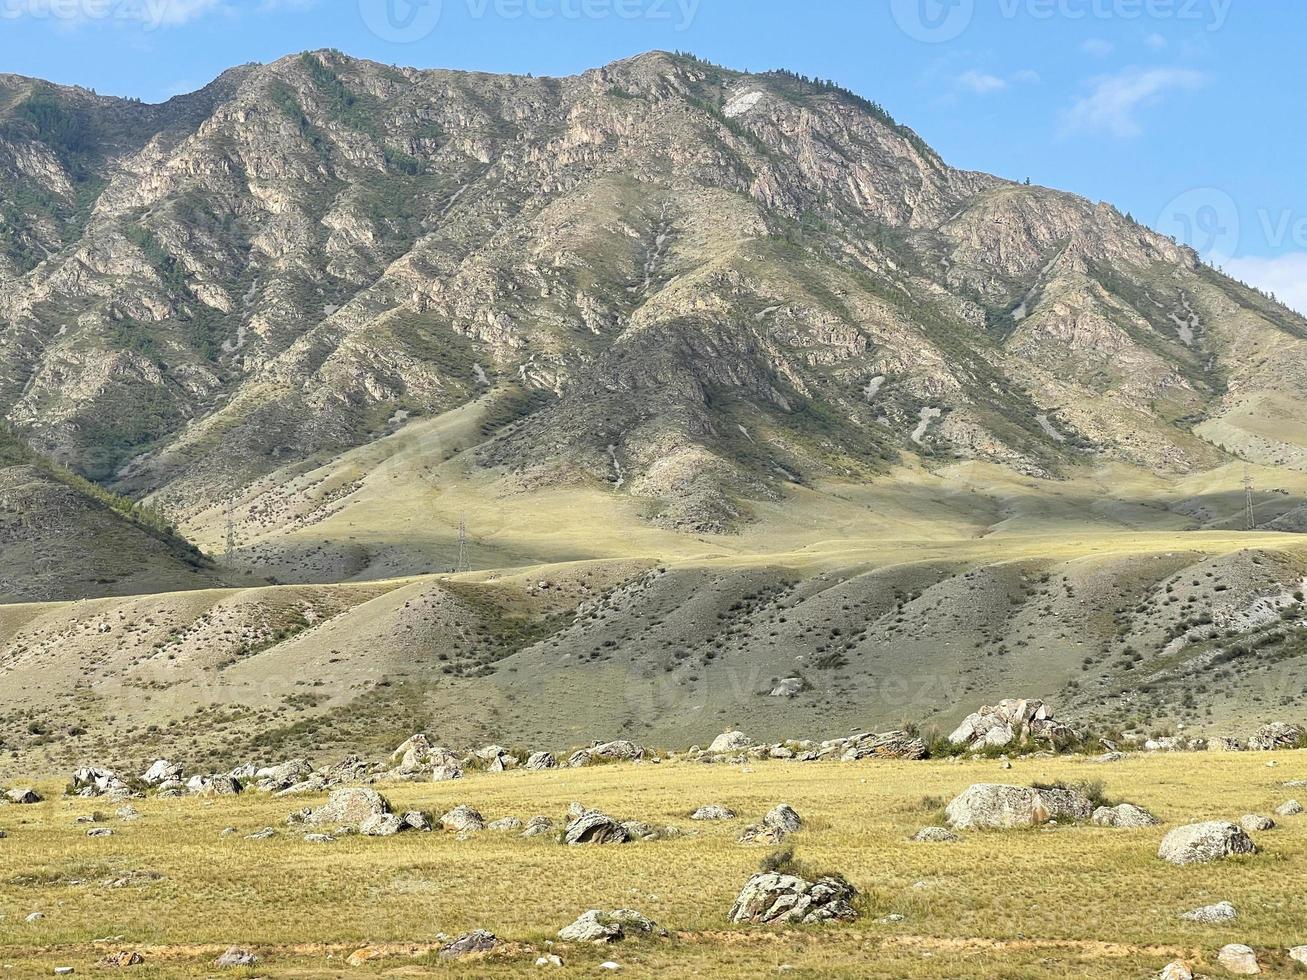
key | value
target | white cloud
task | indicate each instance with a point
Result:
(1097, 47)
(1156, 41)
(1284, 275)
(1113, 104)
(172, 13)
(985, 83)
(981, 82)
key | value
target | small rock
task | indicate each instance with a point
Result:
(505, 825)
(1291, 809)
(382, 825)
(267, 833)
(1179, 970)
(63, 971)
(541, 760)
(935, 835)
(416, 820)
(235, 956)
(1239, 959)
(1127, 815)
(319, 839)
(595, 828)
(713, 811)
(99, 832)
(596, 926)
(35, 917)
(538, 826)
(610, 965)
(118, 961)
(1256, 821)
(549, 959)
(1209, 914)
(477, 941)
(1299, 954)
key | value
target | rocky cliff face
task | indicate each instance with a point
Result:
(691, 283)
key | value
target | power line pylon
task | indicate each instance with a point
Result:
(463, 565)
(1249, 513)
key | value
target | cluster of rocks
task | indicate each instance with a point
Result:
(1011, 722)
(1234, 958)
(771, 897)
(781, 821)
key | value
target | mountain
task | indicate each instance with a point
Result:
(690, 283)
(560, 408)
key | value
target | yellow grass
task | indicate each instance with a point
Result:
(1074, 901)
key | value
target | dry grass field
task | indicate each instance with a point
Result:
(1071, 901)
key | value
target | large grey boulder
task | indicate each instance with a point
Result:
(593, 827)
(541, 760)
(92, 781)
(730, 742)
(23, 796)
(790, 687)
(995, 806)
(596, 926)
(1211, 914)
(1125, 815)
(875, 745)
(1203, 843)
(1239, 959)
(272, 779)
(784, 817)
(234, 958)
(1276, 735)
(538, 826)
(382, 825)
(1256, 822)
(161, 771)
(1010, 721)
(213, 785)
(1291, 809)
(935, 835)
(618, 750)
(463, 819)
(349, 806)
(769, 898)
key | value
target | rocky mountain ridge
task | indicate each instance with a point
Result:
(693, 285)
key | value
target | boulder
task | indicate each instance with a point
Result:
(1291, 809)
(382, 825)
(463, 819)
(1210, 914)
(417, 820)
(770, 898)
(351, 769)
(1276, 735)
(216, 785)
(538, 826)
(541, 760)
(1222, 744)
(23, 796)
(1203, 843)
(995, 806)
(1178, 970)
(1299, 954)
(1125, 815)
(730, 742)
(881, 745)
(619, 750)
(784, 817)
(762, 834)
(713, 811)
(234, 958)
(935, 835)
(790, 687)
(477, 941)
(1256, 822)
(279, 777)
(92, 781)
(505, 825)
(594, 827)
(1012, 720)
(441, 774)
(349, 806)
(1239, 959)
(161, 771)
(596, 926)
(416, 757)
(121, 960)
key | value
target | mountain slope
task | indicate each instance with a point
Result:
(64, 538)
(691, 285)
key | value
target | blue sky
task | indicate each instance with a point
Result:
(1181, 112)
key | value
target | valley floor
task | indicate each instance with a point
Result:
(1071, 901)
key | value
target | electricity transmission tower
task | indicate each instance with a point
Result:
(463, 565)
(231, 531)
(1249, 514)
